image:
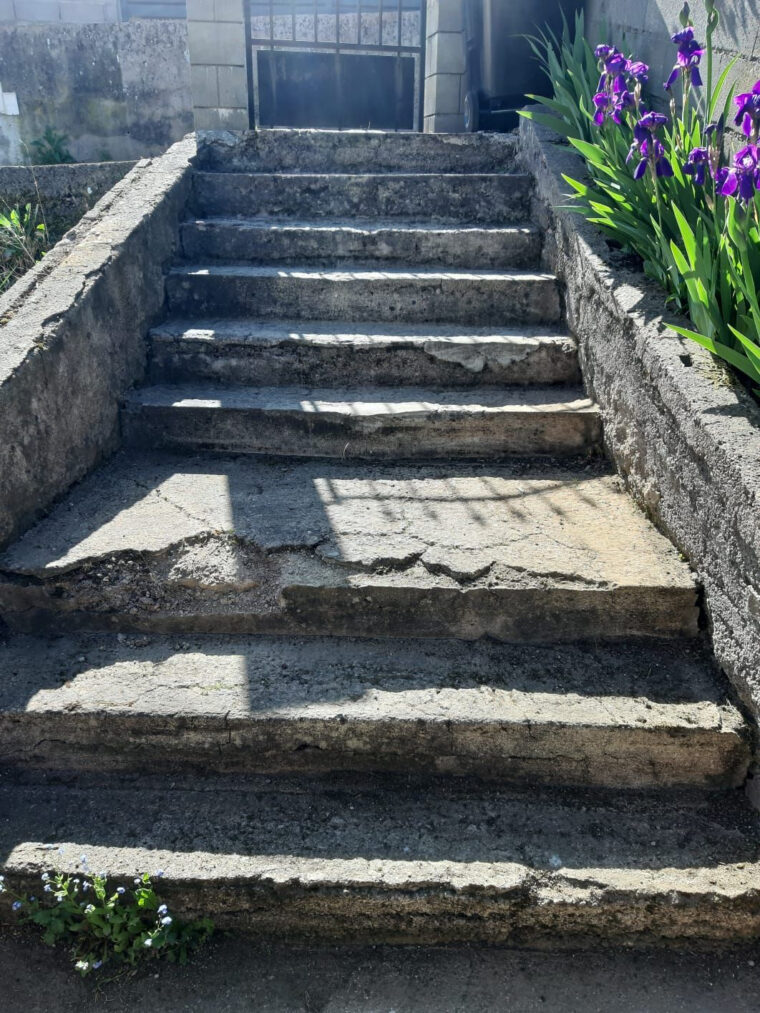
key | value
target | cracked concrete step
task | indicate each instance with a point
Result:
(374, 423)
(629, 715)
(394, 294)
(403, 859)
(315, 353)
(318, 353)
(360, 240)
(273, 150)
(480, 198)
(522, 552)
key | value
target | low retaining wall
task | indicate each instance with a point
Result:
(683, 432)
(72, 336)
(65, 192)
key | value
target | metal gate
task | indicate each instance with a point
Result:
(336, 63)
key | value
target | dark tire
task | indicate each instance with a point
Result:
(471, 112)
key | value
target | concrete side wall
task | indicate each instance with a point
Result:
(683, 432)
(73, 336)
(118, 91)
(64, 192)
(645, 26)
(445, 66)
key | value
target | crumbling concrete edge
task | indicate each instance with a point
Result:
(682, 431)
(73, 336)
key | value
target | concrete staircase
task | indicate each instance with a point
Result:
(359, 637)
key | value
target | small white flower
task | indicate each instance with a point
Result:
(82, 965)
(148, 943)
(166, 921)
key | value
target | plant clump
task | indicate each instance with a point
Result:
(24, 240)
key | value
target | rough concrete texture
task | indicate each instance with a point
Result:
(235, 975)
(409, 295)
(214, 544)
(681, 429)
(319, 151)
(117, 90)
(73, 337)
(373, 423)
(352, 857)
(359, 241)
(498, 198)
(628, 715)
(280, 353)
(63, 192)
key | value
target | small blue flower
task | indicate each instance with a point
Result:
(97, 964)
(163, 909)
(166, 921)
(89, 909)
(160, 873)
(48, 888)
(137, 882)
(17, 905)
(120, 889)
(85, 886)
(45, 877)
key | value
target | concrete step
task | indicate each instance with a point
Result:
(497, 198)
(357, 151)
(629, 715)
(374, 423)
(403, 859)
(522, 552)
(491, 298)
(357, 240)
(315, 353)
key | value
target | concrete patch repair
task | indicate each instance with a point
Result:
(317, 588)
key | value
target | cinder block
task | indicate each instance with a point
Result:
(203, 81)
(233, 87)
(444, 16)
(447, 123)
(228, 10)
(47, 11)
(443, 94)
(216, 43)
(234, 119)
(200, 10)
(445, 53)
(207, 119)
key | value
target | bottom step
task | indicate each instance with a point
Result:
(404, 860)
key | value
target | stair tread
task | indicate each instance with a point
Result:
(306, 177)
(360, 273)
(403, 856)
(344, 332)
(356, 224)
(364, 400)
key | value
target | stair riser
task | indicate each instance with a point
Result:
(512, 615)
(294, 362)
(359, 151)
(415, 299)
(471, 248)
(425, 436)
(528, 753)
(501, 200)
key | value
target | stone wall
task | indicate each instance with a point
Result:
(445, 65)
(645, 27)
(682, 430)
(64, 192)
(119, 91)
(72, 336)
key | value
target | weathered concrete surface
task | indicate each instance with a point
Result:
(374, 423)
(279, 353)
(403, 860)
(681, 429)
(73, 337)
(498, 198)
(64, 192)
(320, 151)
(628, 715)
(359, 241)
(117, 90)
(522, 553)
(408, 295)
(235, 975)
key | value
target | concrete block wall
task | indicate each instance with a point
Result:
(646, 26)
(216, 42)
(77, 12)
(445, 56)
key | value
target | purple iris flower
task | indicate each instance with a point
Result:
(748, 116)
(602, 101)
(649, 148)
(625, 100)
(638, 70)
(687, 61)
(603, 51)
(741, 181)
(696, 165)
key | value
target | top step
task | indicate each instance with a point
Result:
(356, 151)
